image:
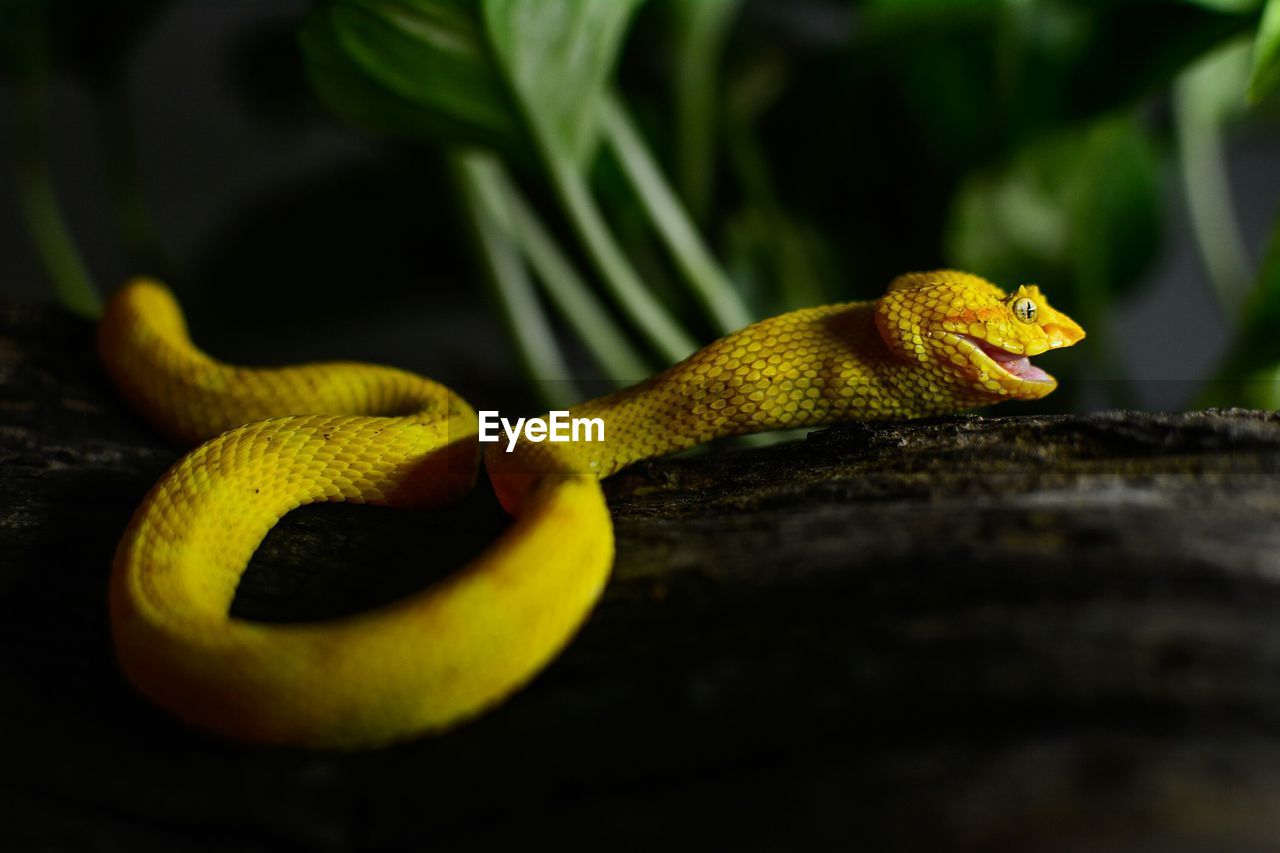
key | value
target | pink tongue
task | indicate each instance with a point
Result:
(1019, 365)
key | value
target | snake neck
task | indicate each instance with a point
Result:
(807, 368)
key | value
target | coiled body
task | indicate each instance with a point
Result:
(279, 438)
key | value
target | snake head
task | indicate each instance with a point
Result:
(967, 332)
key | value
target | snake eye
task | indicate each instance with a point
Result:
(1025, 310)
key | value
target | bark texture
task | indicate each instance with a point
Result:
(969, 633)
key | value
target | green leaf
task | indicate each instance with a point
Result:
(1266, 54)
(416, 68)
(446, 70)
(557, 56)
(344, 87)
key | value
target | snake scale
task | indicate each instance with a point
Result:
(275, 439)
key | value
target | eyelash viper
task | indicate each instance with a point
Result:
(274, 439)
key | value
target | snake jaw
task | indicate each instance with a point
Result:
(1004, 369)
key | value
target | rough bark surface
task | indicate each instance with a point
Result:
(970, 633)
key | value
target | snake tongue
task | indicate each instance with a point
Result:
(1019, 365)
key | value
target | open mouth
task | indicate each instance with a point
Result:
(1002, 363)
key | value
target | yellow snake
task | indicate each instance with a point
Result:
(275, 439)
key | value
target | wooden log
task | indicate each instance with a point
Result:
(968, 633)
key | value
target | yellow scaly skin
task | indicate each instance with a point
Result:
(279, 438)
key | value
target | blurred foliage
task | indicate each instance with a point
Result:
(556, 57)
(93, 43)
(381, 65)
(1266, 55)
(1206, 103)
(1080, 203)
(816, 148)
(1250, 373)
(699, 33)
